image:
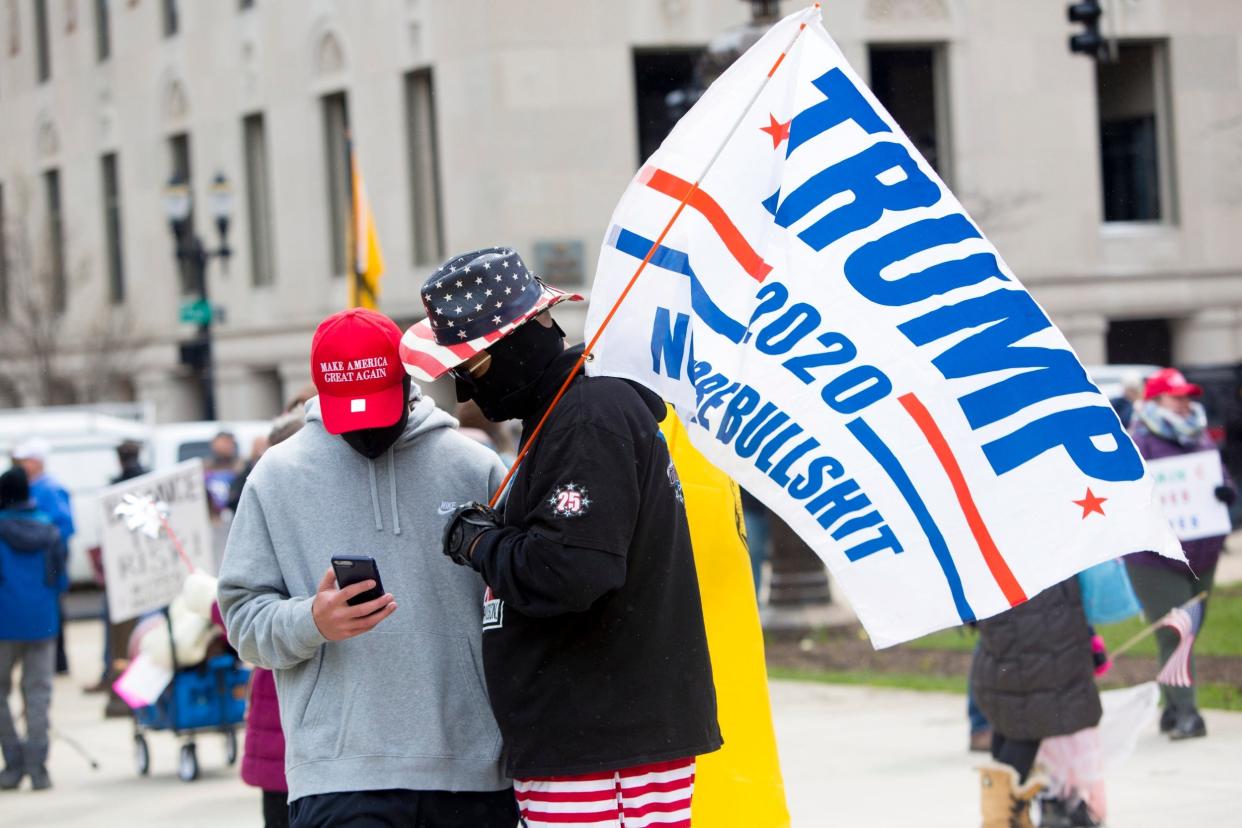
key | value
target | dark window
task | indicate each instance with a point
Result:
(182, 171)
(664, 89)
(908, 81)
(103, 31)
(1134, 149)
(424, 161)
(171, 21)
(57, 287)
(1140, 342)
(336, 148)
(245, 4)
(43, 53)
(259, 202)
(4, 258)
(112, 227)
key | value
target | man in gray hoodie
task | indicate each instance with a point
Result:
(384, 710)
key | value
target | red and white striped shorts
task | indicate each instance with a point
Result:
(639, 797)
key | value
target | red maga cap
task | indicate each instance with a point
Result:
(357, 370)
(1169, 381)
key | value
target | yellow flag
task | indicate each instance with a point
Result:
(741, 783)
(366, 262)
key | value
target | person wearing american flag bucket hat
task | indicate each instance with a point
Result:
(472, 302)
(594, 648)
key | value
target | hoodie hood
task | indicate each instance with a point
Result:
(26, 530)
(425, 418)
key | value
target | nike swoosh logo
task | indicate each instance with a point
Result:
(446, 508)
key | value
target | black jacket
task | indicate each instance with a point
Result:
(1033, 675)
(593, 645)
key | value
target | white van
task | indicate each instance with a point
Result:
(173, 443)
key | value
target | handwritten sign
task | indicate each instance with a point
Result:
(1186, 490)
(144, 573)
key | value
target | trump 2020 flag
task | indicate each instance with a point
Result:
(838, 336)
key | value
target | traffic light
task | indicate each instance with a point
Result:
(1089, 41)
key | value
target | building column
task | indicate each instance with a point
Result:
(1087, 334)
(1209, 337)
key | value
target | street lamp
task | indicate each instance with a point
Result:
(193, 257)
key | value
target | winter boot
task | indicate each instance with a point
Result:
(14, 768)
(1168, 718)
(1055, 812)
(39, 780)
(1189, 724)
(1004, 802)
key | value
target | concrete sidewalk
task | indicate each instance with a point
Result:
(852, 756)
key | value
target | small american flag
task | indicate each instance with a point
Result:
(1186, 621)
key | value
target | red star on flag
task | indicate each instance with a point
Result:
(777, 130)
(1090, 504)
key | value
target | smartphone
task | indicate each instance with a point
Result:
(350, 569)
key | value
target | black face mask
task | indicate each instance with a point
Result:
(508, 390)
(372, 442)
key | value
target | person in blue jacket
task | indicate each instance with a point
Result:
(53, 500)
(32, 577)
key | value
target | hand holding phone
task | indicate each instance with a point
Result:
(338, 618)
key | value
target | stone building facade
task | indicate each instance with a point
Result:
(1114, 192)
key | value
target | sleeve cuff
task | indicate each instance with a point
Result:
(305, 632)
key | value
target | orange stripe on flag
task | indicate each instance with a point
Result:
(674, 187)
(991, 555)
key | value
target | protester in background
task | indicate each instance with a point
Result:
(593, 636)
(128, 455)
(1033, 676)
(263, 754)
(755, 514)
(32, 578)
(219, 471)
(391, 728)
(53, 500)
(980, 729)
(1168, 424)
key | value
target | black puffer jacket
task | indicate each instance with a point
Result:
(1033, 675)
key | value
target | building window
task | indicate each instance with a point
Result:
(182, 172)
(171, 21)
(664, 90)
(43, 48)
(1139, 342)
(424, 160)
(4, 258)
(103, 31)
(336, 147)
(1135, 157)
(259, 202)
(911, 84)
(245, 4)
(112, 227)
(57, 292)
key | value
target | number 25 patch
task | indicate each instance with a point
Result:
(570, 501)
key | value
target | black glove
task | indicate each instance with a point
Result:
(1226, 494)
(467, 525)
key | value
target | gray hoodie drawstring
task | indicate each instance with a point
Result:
(392, 484)
(379, 521)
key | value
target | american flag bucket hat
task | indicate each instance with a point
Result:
(472, 301)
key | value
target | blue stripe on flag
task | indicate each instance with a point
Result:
(892, 467)
(666, 258)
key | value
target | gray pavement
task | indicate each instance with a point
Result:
(852, 756)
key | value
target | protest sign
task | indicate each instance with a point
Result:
(839, 337)
(144, 571)
(1186, 488)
